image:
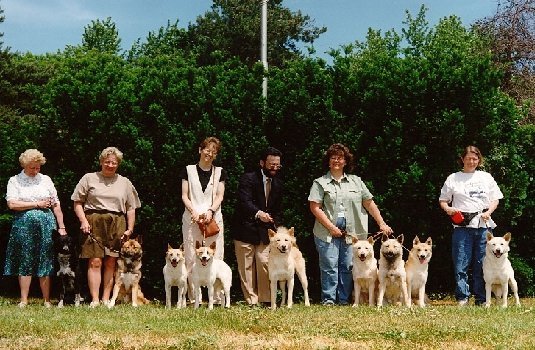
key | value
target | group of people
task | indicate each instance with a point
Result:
(105, 204)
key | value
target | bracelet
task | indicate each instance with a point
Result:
(61, 228)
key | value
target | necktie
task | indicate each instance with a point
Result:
(268, 189)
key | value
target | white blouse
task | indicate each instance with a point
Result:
(31, 188)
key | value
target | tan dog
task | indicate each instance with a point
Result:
(392, 275)
(417, 269)
(497, 270)
(175, 274)
(285, 260)
(364, 270)
(212, 273)
(128, 275)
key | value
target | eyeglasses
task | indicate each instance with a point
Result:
(274, 166)
(110, 163)
(209, 151)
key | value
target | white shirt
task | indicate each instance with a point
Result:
(31, 188)
(470, 193)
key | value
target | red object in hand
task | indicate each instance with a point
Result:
(457, 218)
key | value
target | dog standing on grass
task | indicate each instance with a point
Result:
(285, 260)
(69, 269)
(392, 274)
(175, 274)
(212, 273)
(497, 270)
(364, 270)
(128, 275)
(417, 267)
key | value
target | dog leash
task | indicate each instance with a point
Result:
(100, 244)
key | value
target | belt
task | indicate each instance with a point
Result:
(102, 211)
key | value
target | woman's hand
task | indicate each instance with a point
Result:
(335, 231)
(85, 227)
(126, 235)
(485, 216)
(384, 228)
(450, 210)
(62, 231)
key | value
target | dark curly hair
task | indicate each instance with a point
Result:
(338, 149)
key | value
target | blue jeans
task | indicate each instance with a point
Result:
(468, 250)
(335, 260)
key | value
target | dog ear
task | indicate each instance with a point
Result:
(271, 233)
(416, 241)
(400, 238)
(197, 245)
(139, 239)
(384, 238)
(213, 245)
(291, 231)
(489, 236)
(169, 246)
(507, 236)
(181, 247)
(354, 240)
(429, 241)
(370, 240)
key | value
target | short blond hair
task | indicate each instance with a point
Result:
(108, 151)
(31, 155)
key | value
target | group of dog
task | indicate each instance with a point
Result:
(397, 282)
(390, 280)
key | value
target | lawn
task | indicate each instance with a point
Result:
(442, 325)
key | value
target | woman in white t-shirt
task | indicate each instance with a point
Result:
(476, 194)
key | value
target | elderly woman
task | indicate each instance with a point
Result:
(476, 194)
(105, 203)
(34, 199)
(203, 188)
(337, 200)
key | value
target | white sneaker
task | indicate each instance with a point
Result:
(94, 304)
(22, 305)
(47, 304)
(462, 302)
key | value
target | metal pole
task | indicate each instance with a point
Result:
(263, 46)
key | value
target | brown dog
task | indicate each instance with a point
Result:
(128, 275)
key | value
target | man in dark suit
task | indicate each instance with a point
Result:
(259, 208)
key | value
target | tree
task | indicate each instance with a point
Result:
(232, 28)
(511, 35)
(102, 36)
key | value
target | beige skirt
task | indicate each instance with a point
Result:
(105, 238)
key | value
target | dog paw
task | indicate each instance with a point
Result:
(60, 304)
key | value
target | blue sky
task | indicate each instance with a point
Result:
(41, 26)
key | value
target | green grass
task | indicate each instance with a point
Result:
(439, 326)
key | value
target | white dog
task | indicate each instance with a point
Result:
(285, 260)
(364, 270)
(497, 270)
(392, 275)
(175, 274)
(417, 269)
(212, 273)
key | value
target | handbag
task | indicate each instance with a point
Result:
(210, 228)
(463, 219)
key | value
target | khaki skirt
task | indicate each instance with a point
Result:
(105, 238)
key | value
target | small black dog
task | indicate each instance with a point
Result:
(69, 269)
